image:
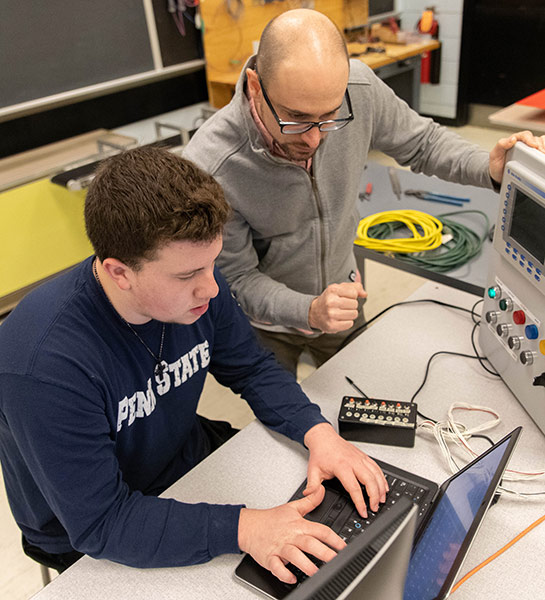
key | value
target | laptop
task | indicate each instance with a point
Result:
(448, 519)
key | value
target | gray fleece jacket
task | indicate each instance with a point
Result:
(292, 231)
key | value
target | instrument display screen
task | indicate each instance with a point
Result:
(528, 225)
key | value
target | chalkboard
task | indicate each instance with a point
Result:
(53, 46)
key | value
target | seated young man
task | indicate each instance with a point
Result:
(101, 370)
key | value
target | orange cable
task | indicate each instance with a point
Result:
(500, 551)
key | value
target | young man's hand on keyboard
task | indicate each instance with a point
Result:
(281, 535)
(332, 456)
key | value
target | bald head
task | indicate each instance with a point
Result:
(300, 40)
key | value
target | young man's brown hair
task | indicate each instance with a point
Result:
(144, 198)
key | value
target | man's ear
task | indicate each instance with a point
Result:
(119, 273)
(253, 83)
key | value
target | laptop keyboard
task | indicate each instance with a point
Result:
(338, 511)
(355, 524)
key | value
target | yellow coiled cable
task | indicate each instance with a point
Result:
(427, 239)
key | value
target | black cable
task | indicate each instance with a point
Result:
(428, 368)
(475, 357)
(421, 415)
(473, 310)
(484, 437)
(476, 324)
(360, 329)
(480, 358)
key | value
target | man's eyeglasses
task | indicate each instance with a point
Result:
(295, 127)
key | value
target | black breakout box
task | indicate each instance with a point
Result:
(378, 421)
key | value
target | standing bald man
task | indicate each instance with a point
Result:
(289, 151)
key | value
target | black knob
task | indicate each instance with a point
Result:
(527, 357)
(492, 316)
(503, 329)
(514, 342)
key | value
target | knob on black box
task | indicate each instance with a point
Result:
(377, 421)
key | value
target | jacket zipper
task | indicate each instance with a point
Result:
(322, 232)
(316, 195)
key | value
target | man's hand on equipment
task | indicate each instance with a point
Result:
(497, 154)
(279, 535)
(336, 308)
(332, 456)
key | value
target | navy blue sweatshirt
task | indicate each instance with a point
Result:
(89, 436)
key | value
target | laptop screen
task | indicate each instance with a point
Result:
(440, 550)
(373, 566)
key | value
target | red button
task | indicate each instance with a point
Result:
(519, 317)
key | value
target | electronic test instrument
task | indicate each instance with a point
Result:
(513, 334)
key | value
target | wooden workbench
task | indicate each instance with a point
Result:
(231, 27)
(393, 52)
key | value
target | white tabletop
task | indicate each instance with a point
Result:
(263, 469)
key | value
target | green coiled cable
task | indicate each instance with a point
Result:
(464, 245)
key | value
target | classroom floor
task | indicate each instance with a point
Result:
(20, 577)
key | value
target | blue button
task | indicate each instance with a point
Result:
(503, 219)
(538, 271)
(536, 277)
(504, 211)
(508, 244)
(515, 251)
(505, 203)
(507, 195)
(508, 251)
(529, 270)
(503, 227)
(508, 186)
(522, 257)
(530, 263)
(521, 263)
(357, 525)
(514, 257)
(531, 332)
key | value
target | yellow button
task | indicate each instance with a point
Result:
(542, 346)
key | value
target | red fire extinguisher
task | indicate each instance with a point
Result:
(431, 60)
